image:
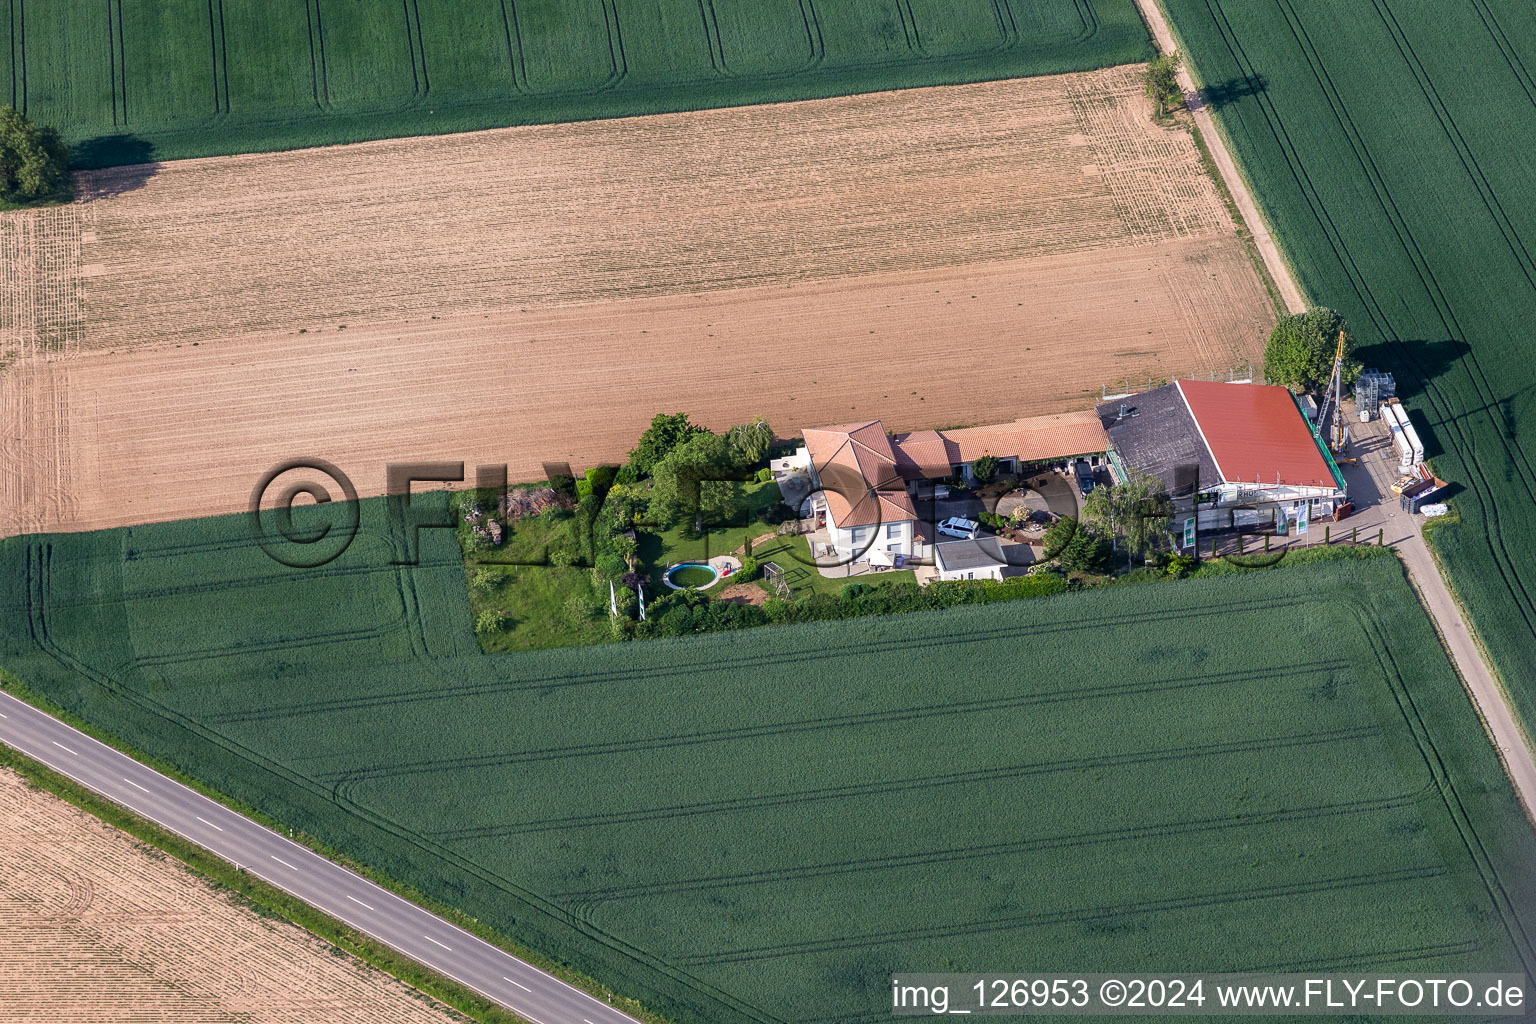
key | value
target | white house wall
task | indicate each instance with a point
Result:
(899, 543)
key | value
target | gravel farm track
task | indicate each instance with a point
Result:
(97, 927)
(930, 257)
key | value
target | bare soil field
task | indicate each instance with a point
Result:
(930, 256)
(97, 927)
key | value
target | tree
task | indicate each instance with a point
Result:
(1135, 511)
(1085, 552)
(751, 440)
(1058, 535)
(1301, 348)
(694, 479)
(664, 434)
(1162, 80)
(34, 162)
(984, 469)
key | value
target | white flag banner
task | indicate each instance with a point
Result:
(1301, 518)
(640, 589)
(613, 600)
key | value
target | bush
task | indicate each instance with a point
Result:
(1142, 574)
(764, 475)
(992, 521)
(748, 572)
(1180, 565)
(1058, 535)
(483, 579)
(984, 469)
(491, 620)
(600, 478)
(581, 607)
(852, 590)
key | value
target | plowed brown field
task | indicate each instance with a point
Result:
(95, 927)
(931, 256)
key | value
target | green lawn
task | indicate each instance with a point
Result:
(793, 555)
(131, 81)
(659, 548)
(1389, 143)
(1260, 770)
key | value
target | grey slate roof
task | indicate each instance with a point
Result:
(981, 553)
(1159, 436)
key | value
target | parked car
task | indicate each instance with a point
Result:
(955, 526)
(1084, 472)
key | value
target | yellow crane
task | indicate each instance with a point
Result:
(1331, 401)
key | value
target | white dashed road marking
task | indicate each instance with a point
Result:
(65, 749)
(205, 821)
(520, 985)
(436, 943)
(284, 863)
(359, 902)
(135, 785)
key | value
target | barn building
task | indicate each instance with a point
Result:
(1243, 452)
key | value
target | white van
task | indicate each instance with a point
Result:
(965, 529)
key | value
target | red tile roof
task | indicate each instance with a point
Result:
(923, 455)
(862, 470)
(1256, 434)
(859, 478)
(1036, 439)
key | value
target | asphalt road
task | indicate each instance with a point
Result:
(345, 895)
(1504, 728)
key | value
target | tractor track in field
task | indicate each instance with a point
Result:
(1509, 737)
(961, 254)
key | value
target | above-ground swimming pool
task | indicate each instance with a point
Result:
(692, 575)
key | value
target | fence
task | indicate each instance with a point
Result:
(1127, 386)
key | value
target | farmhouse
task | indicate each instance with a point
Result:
(868, 485)
(1242, 452)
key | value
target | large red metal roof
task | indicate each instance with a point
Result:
(1256, 434)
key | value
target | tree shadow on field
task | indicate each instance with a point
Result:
(109, 165)
(1224, 94)
(1414, 364)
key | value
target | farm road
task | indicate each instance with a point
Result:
(343, 894)
(1504, 729)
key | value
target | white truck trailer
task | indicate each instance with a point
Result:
(1401, 443)
(1410, 450)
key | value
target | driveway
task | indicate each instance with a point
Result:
(1058, 493)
